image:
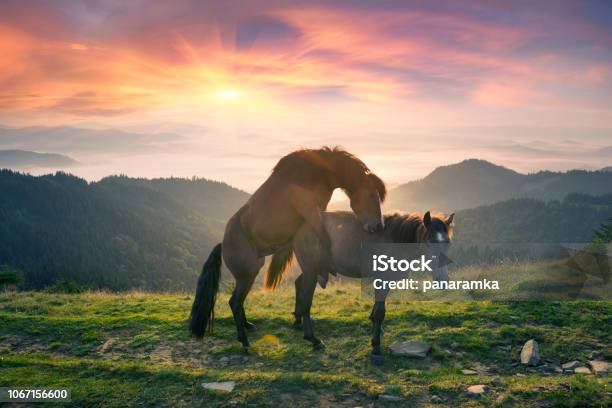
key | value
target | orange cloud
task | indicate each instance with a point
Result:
(122, 60)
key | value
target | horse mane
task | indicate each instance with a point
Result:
(330, 165)
(409, 227)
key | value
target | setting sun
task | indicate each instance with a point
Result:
(228, 94)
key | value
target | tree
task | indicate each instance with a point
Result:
(604, 234)
(9, 275)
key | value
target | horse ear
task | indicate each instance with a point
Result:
(449, 220)
(427, 219)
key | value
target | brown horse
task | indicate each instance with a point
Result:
(295, 194)
(347, 241)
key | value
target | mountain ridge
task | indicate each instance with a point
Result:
(476, 182)
(20, 159)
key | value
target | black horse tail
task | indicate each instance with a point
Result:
(281, 260)
(203, 309)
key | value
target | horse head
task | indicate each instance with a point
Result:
(439, 230)
(438, 234)
(366, 199)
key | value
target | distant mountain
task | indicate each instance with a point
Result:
(474, 183)
(118, 233)
(23, 159)
(609, 168)
(74, 140)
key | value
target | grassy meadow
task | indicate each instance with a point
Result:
(133, 349)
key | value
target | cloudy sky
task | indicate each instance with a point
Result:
(222, 89)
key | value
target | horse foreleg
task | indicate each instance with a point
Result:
(308, 286)
(298, 302)
(312, 215)
(377, 317)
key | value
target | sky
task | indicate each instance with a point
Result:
(223, 89)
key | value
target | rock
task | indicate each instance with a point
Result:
(582, 370)
(480, 368)
(436, 400)
(416, 349)
(477, 390)
(530, 354)
(497, 382)
(389, 398)
(224, 360)
(600, 368)
(558, 370)
(225, 386)
(505, 348)
(570, 366)
(469, 372)
(333, 355)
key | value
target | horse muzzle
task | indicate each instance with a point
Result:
(374, 227)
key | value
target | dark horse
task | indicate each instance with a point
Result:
(347, 240)
(295, 194)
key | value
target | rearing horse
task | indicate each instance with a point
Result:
(295, 194)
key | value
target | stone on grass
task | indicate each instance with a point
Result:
(416, 349)
(600, 368)
(530, 354)
(570, 366)
(389, 398)
(497, 382)
(477, 390)
(469, 372)
(582, 370)
(436, 399)
(224, 386)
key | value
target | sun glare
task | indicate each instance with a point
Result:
(228, 94)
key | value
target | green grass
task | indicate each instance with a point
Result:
(133, 349)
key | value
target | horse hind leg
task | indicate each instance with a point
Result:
(248, 325)
(236, 302)
(297, 324)
(243, 262)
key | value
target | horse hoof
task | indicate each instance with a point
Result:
(319, 346)
(377, 359)
(250, 326)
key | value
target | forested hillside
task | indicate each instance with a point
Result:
(118, 233)
(574, 219)
(122, 233)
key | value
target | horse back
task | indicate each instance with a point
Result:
(347, 238)
(270, 215)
